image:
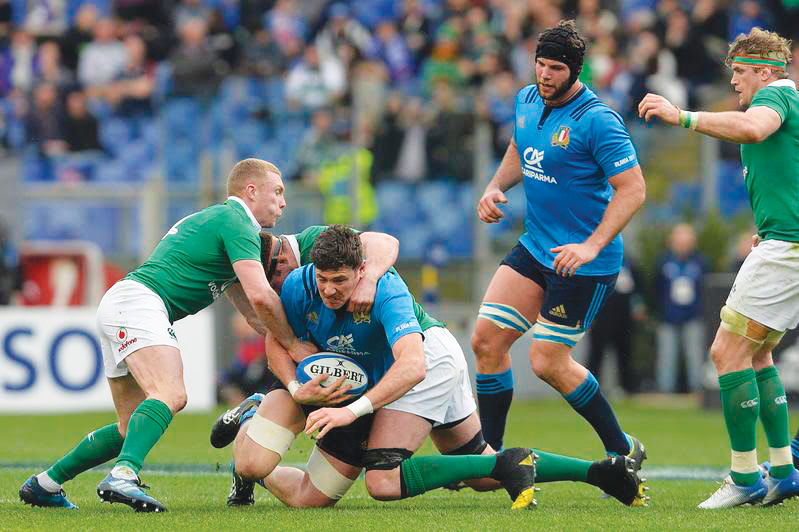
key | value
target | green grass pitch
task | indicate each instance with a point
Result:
(687, 447)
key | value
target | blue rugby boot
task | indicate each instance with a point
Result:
(781, 489)
(123, 485)
(730, 495)
(32, 493)
(226, 426)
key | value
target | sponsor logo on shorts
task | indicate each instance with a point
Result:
(751, 403)
(171, 332)
(122, 333)
(127, 343)
(559, 311)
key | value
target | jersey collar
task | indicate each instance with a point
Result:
(782, 83)
(246, 209)
(295, 247)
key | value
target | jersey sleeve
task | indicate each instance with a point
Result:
(305, 240)
(772, 98)
(394, 308)
(240, 239)
(611, 145)
(295, 298)
(521, 96)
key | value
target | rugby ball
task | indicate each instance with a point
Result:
(336, 366)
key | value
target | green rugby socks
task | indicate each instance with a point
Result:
(94, 449)
(424, 473)
(146, 426)
(740, 402)
(774, 416)
(550, 467)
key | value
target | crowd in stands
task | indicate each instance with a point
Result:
(120, 90)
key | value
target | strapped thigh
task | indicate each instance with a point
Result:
(325, 477)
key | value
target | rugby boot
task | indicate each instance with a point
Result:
(123, 485)
(730, 494)
(241, 492)
(781, 489)
(515, 470)
(617, 477)
(226, 426)
(32, 493)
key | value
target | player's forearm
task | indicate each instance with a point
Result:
(732, 126)
(381, 251)
(280, 362)
(236, 296)
(621, 208)
(404, 374)
(509, 172)
(270, 311)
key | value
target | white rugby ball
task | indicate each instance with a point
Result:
(336, 366)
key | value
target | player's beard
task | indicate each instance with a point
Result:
(559, 91)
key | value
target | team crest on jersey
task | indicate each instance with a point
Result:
(313, 317)
(361, 317)
(561, 137)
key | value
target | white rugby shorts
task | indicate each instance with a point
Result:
(131, 316)
(766, 288)
(445, 394)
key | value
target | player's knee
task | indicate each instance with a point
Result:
(179, 401)
(542, 365)
(251, 467)
(383, 485)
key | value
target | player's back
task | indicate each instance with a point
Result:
(192, 264)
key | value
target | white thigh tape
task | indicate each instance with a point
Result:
(325, 477)
(270, 435)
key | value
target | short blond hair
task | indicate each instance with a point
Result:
(762, 43)
(246, 171)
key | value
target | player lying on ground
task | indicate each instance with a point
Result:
(415, 402)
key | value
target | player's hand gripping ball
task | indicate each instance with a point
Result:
(336, 366)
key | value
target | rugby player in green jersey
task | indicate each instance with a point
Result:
(194, 263)
(764, 300)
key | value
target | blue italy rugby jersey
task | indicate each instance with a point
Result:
(567, 155)
(365, 338)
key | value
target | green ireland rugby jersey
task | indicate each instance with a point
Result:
(771, 168)
(193, 263)
(304, 243)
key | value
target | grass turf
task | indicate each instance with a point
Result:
(676, 434)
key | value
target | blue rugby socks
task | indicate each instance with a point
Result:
(588, 401)
(494, 396)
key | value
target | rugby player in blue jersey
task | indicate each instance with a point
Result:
(419, 386)
(583, 183)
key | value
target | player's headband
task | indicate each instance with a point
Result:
(758, 60)
(557, 44)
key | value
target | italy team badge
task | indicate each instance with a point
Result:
(561, 137)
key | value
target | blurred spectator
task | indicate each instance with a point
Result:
(687, 45)
(103, 59)
(743, 246)
(263, 58)
(412, 160)
(247, 374)
(499, 95)
(417, 28)
(749, 14)
(319, 146)
(49, 68)
(80, 127)
(315, 81)
(131, 92)
(443, 63)
(197, 70)
(679, 296)
(46, 18)
(189, 9)
(393, 51)
(287, 26)
(450, 139)
(79, 34)
(343, 29)
(44, 121)
(21, 57)
(10, 273)
(615, 327)
(387, 140)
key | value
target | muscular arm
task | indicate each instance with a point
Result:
(407, 371)
(381, 251)
(507, 175)
(264, 301)
(280, 362)
(628, 198)
(749, 127)
(239, 299)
